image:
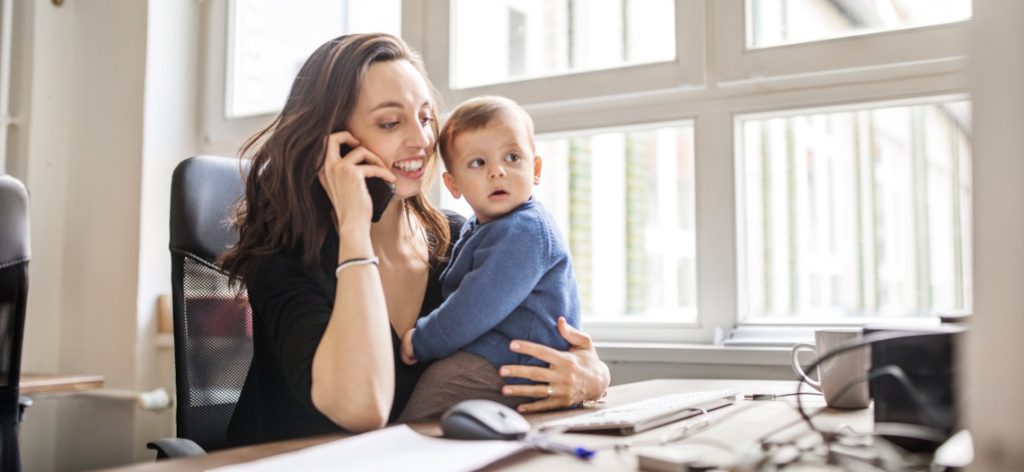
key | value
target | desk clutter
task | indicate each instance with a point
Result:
(762, 429)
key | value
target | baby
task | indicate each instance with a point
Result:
(510, 275)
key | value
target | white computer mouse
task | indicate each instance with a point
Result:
(483, 419)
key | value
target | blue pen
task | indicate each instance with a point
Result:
(546, 444)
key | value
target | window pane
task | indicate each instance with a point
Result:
(857, 213)
(505, 40)
(775, 22)
(625, 202)
(270, 39)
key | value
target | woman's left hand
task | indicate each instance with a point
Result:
(571, 377)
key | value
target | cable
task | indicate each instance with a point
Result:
(914, 431)
(757, 397)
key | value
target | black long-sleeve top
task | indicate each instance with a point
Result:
(291, 307)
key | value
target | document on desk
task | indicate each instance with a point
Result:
(394, 448)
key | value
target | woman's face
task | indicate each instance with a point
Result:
(393, 118)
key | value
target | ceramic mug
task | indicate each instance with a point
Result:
(845, 371)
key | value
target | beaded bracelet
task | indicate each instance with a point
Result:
(356, 261)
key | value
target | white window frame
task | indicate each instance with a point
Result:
(685, 71)
(729, 81)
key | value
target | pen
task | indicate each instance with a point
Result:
(552, 446)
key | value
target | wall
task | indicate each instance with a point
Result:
(170, 135)
(992, 384)
(113, 108)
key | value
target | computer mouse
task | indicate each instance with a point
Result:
(483, 419)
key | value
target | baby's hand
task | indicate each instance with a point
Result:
(407, 352)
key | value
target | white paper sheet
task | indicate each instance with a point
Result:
(397, 448)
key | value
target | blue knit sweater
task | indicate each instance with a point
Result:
(510, 278)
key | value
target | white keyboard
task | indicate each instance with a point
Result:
(646, 414)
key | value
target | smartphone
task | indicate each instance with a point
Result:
(380, 190)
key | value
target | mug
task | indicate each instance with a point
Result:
(845, 371)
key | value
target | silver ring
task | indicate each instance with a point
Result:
(551, 390)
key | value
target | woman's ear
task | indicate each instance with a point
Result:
(449, 182)
(537, 164)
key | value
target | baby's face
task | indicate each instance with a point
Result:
(493, 167)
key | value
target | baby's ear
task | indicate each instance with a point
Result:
(449, 182)
(537, 165)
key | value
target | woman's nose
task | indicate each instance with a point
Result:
(421, 137)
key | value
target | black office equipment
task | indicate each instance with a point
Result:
(380, 190)
(14, 258)
(920, 389)
(212, 321)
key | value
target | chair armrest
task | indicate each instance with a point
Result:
(173, 448)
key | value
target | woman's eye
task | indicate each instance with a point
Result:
(426, 120)
(475, 163)
(513, 157)
(389, 124)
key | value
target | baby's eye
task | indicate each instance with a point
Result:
(425, 120)
(475, 163)
(513, 157)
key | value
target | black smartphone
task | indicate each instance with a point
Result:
(380, 190)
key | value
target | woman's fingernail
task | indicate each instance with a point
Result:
(514, 346)
(506, 391)
(504, 371)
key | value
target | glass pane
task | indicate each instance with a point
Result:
(776, 22)
(857, 213)
(270, 39)
(625, 202)
(505, 40)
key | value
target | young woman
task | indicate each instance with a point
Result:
(328, 288)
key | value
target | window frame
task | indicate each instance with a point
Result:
(733, 81)
(687, 70)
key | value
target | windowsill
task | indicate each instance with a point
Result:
(686, 353)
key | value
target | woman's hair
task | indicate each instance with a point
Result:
(284, 207)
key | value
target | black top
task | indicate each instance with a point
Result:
(291, 307)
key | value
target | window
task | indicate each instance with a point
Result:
(502, 41)
(549, 50)
(270, 39)
(717, 164)
(778, 22)
(624, 200)
(856, 213)
(255, 48)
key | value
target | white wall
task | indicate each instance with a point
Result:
(994, 380)
(113, 103)
(171, 134)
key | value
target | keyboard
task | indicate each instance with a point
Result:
(643, 415)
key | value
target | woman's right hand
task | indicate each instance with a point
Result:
(344, 178)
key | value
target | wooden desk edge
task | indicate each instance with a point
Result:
(35, 383)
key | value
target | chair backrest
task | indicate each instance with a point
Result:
(14, 257)
(212, 321)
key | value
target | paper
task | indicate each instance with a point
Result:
(390, 449)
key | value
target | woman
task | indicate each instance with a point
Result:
(330, 290)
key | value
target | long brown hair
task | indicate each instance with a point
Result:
(284, 207)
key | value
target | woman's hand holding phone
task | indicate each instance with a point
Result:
(344, 179)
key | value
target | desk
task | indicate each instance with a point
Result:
(735, 424)
(36, 384)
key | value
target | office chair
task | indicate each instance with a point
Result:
(212, 322)
(14, 257)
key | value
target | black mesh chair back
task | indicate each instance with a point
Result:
(212, 321)
(14, 256)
